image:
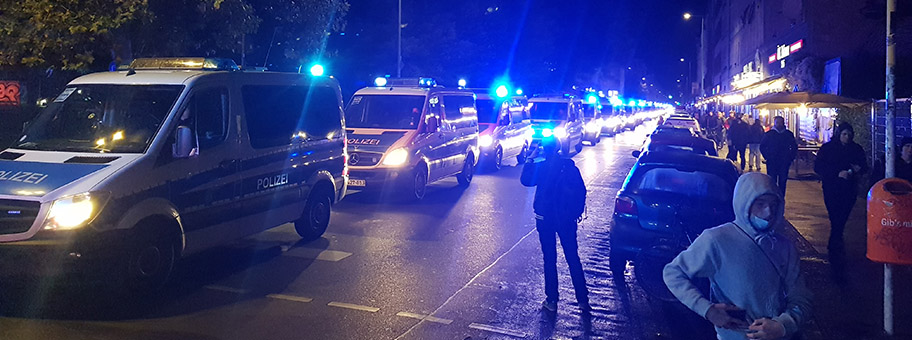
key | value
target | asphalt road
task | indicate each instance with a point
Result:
(460, 264)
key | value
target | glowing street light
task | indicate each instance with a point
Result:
(687, 16)
(462, 83)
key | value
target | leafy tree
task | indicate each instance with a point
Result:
(63, 33)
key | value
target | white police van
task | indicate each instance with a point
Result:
(128, 171)
(406, 133)
(559, 116)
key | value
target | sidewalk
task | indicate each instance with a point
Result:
(852, 310)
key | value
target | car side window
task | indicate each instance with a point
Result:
(207, 115)
(280, 114)
(460, 111)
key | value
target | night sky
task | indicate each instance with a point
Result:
(542, 46)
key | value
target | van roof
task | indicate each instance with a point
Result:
(554, 99)
(180, 77)
(407, 91)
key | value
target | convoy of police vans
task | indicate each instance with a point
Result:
(126, 172)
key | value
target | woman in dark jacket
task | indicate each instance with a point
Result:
(840, 164)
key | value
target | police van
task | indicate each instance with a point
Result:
(559, 116)
(406, 133)
(505, 131)
(131, 170)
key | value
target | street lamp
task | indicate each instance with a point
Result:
(687, 16)
(701, 54)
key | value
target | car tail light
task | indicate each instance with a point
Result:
(625, 205)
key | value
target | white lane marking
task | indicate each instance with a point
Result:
(504, 331)
(425, 317)
(289, 298)
(318, 254)
(354, 306)
(227, 289)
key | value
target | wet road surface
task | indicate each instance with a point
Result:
(460, 264)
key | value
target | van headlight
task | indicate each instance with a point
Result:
(560, 132)
(73, 212)
(396, 157)
(593, 126)
(485, 141)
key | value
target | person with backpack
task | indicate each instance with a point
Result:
(559, 204)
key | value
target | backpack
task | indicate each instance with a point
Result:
(572, 192)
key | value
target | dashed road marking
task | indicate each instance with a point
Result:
(354, 306)
(318, 254)
(425, 317)
(504, 331)
(227, 289)
(289, 298)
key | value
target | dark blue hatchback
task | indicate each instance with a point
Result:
(667, 196)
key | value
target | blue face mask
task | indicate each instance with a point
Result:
(759, 223)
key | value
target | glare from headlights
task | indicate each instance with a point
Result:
(71, 212)
(593, 126)
(547, 133)
(396, 157)
(485, 141)
(560, 132)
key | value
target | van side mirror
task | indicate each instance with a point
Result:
(183, 145)
(432, 125)
(635, 153)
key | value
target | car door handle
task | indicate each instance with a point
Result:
(228, 164)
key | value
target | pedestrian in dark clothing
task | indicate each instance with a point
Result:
(903, 164)
(754, 136)
(840, 164)
(738, 135)
(544, 169)
(779, 148)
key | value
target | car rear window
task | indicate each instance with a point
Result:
(692, 184)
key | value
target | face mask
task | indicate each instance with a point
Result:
(759, 223)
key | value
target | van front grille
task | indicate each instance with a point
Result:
(17, 216)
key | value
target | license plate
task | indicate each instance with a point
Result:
(356, 183)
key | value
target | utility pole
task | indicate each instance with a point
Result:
(890, 154)
(399, 54)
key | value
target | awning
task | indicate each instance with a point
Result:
(786, 100)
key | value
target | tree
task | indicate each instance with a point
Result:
(67, 34)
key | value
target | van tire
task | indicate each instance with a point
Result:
(468, 171)
(151, 260)
(579, 147)
(497, 161)
(417, 185)
(521, 157)
(315, 219)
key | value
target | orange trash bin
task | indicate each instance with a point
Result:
(890, 222)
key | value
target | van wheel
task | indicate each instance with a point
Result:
(579, 147)
(468, 171)
(151, 261)
(419, 183)
(497, 162)
(521, 157)
(315, 219)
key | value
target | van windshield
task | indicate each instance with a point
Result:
(101, 118)
(384, 111)
(548, 111)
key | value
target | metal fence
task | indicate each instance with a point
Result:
(878, 125)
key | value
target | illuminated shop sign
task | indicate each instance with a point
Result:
(783, 51)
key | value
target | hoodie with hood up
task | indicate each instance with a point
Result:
(755, 270)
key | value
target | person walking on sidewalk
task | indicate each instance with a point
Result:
(779, 148)
(840, 164)
(754, 136)
(757, 289)
(739, 136)
(558, 184)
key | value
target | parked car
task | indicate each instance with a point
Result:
(670, 142)
(683, 122)
(666, 199)
(126, 172)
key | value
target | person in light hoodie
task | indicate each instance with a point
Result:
(757, 290)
